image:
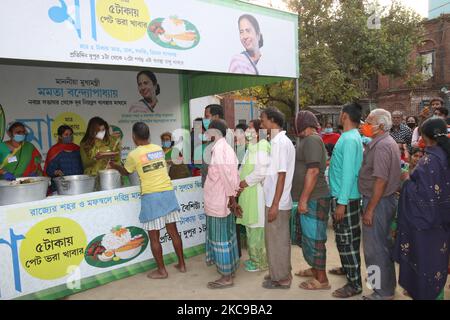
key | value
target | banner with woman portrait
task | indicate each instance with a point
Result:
(224, 36)
(46, 98)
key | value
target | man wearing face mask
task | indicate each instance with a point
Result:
(379, 180)
(18, 157)
(212, 112)
(98, 146)
(63, 159)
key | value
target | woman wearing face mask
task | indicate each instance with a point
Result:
(177, 170)
(251, 38)
(251, 199)
(329, 136)
(19, 158)
(148, 88)
(98, 146)
(63, 159)
(412, 122)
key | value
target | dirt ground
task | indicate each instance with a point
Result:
(192, 285)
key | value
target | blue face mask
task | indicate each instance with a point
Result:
(328, 130)
(206, 123)
(67, 140)
(167, 144)
(19, 137)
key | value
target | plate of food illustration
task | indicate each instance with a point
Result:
(120, 245)
(173, 33)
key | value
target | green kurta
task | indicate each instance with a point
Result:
(248, 200)
(90, 164)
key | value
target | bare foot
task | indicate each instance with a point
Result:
(180, 267)
(157, 274)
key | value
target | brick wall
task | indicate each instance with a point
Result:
(393, 94)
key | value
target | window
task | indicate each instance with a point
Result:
(428, 64)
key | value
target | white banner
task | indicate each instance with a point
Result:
(205, 35)
(62, 240)
(45, 98)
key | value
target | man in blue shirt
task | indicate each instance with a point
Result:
(343, 174)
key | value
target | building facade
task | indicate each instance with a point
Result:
(393, 93)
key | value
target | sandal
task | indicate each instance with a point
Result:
(376, 296)
(269, 284)
(305, 273)
(346, 291)
(337, 271)
(219, 285)
(314, 284)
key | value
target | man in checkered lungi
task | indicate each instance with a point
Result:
(343, 172)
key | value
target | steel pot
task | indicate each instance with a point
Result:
(76, 184)
(109, 179)
(23, 190)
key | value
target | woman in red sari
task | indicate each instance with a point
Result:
(18, 157)
(63, 159)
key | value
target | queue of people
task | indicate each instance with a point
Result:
(366, 180)
(400, 213)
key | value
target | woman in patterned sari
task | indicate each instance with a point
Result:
(19, 158)
(423, 234)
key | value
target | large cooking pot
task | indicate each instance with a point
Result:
(23, 190)
(134, 179)
(76, 184)
(110, 179)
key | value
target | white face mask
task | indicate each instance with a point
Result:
(100, 135)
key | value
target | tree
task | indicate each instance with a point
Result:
(340, 49)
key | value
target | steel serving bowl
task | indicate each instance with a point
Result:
(76, 184)
(23, 190)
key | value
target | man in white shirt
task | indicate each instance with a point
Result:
(277, 192)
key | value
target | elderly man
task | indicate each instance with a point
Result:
(379, 179)
(400, 131)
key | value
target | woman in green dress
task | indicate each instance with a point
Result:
(251, 199)
(18, 157)
(98, 146)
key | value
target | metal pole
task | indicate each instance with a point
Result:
(297, 107)
(296, 97)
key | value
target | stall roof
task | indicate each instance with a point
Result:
(205, 84)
